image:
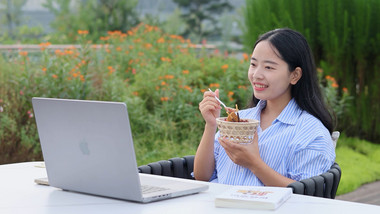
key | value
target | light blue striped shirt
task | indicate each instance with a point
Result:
(297, 145)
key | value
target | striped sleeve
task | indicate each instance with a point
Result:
(312, 157)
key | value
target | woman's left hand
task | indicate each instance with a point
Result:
(246, 155)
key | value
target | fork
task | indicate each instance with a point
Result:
(219, 100)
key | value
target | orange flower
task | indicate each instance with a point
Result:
(203, 90)
(164, 98)
(176, 37)
(185, 71)
(345, 90)
(82, 32)
(58, 52)
(224, 67)
(242, 87)
(334, 85)
(23, 53)
(245, 56)
(148, 28)
(188, 88)
(104, 38)
(230, 94)
(328, 77)
(54, 76)
(148, 45)
(44, 69)
(216, 85)
(114, 33)
(118, 48)
(135, 93)
(44, 45)
(168, 77)
(69, 52)
(165, 59)
(163, 83)
(160, 40)
(111, 70)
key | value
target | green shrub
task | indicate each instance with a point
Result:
(161, 77)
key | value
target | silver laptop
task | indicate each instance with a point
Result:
(87, 147)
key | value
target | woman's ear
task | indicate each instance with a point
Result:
(296, 75)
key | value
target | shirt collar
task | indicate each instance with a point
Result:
(259, 107)
(289, 114)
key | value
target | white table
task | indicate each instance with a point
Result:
(19, 194)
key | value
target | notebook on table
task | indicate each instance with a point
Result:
(88, 148)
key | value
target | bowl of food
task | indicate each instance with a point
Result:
(237, 130)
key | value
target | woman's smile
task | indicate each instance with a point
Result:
(259, 86)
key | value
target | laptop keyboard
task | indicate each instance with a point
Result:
(149, 189)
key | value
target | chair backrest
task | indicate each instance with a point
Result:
(335, 136)
(174, 167)
(324, 185)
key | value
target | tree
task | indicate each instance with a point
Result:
(12, 14)
(96, 16)
(201, 17)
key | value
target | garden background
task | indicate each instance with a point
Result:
(161, 67)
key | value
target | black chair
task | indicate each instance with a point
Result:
(324, 185)
(174, 167)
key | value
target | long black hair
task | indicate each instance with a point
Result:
(293, 48)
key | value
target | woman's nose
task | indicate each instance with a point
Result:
(256, 73)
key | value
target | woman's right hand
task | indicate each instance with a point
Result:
(210, 107)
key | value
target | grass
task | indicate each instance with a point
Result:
(360, 163)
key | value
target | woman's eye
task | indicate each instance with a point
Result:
(253, 64)
(268, 67)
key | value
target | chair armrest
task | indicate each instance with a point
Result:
(298, 187)
(324, 185)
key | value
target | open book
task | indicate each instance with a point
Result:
(252, 197)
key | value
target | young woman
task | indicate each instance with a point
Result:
(293, 140)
